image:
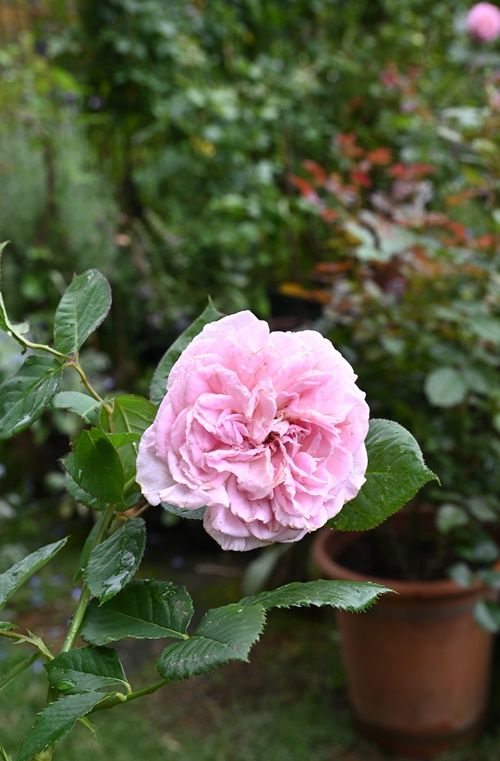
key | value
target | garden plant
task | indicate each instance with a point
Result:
(265, 436)
(411, 290)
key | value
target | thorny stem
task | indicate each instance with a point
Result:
(76, 622)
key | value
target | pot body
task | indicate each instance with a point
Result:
(417, 664)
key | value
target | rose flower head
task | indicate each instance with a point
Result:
(266, 429)
(483, 22)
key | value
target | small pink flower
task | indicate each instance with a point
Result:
(266, 429)
(483, 22)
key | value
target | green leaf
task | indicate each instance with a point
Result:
(486, 328)
(6, 626)
(12, 579)
(143, 610)
(461, 574)
(95, 466)
(259, 571)
(224, 634)
(86, 550)
(86, 669)
(82, 405)
(24, 397)
(14, 330)
(445, 387)
(228, 633)
(491, 578)
(114, 563)
(483, 550)
(55, 721)
(343, 595)
(119, 440)
(75, 491)
(131, 416)
(183, 512)
(487, 615)
(450, 517)
(84, 305)
(396, 471)
(479, 380)
(158, 385)
(485, 509)
(13, 672)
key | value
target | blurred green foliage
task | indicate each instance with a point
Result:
(203, 109)
(411, 295)
(159, 142)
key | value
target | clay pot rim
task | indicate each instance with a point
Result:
(323, 557)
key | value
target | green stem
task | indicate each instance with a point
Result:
(27, 344)
(77, 619)
(11, 635)
(81, 372)
(74, 628)
(69, 362)
(144, 691)
(119, 698)
(41, 347)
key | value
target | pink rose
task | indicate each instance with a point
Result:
(483, 22)
(266, 429)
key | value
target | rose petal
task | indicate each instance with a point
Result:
(266, 429)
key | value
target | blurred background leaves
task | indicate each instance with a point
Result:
(333, 164)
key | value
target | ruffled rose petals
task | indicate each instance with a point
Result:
(267, 429)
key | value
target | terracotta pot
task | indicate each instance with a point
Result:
(417, 664)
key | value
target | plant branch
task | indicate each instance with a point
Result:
(81, 372)
(76, 622)
(77, 619)
(119, 698)
(39, 347)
